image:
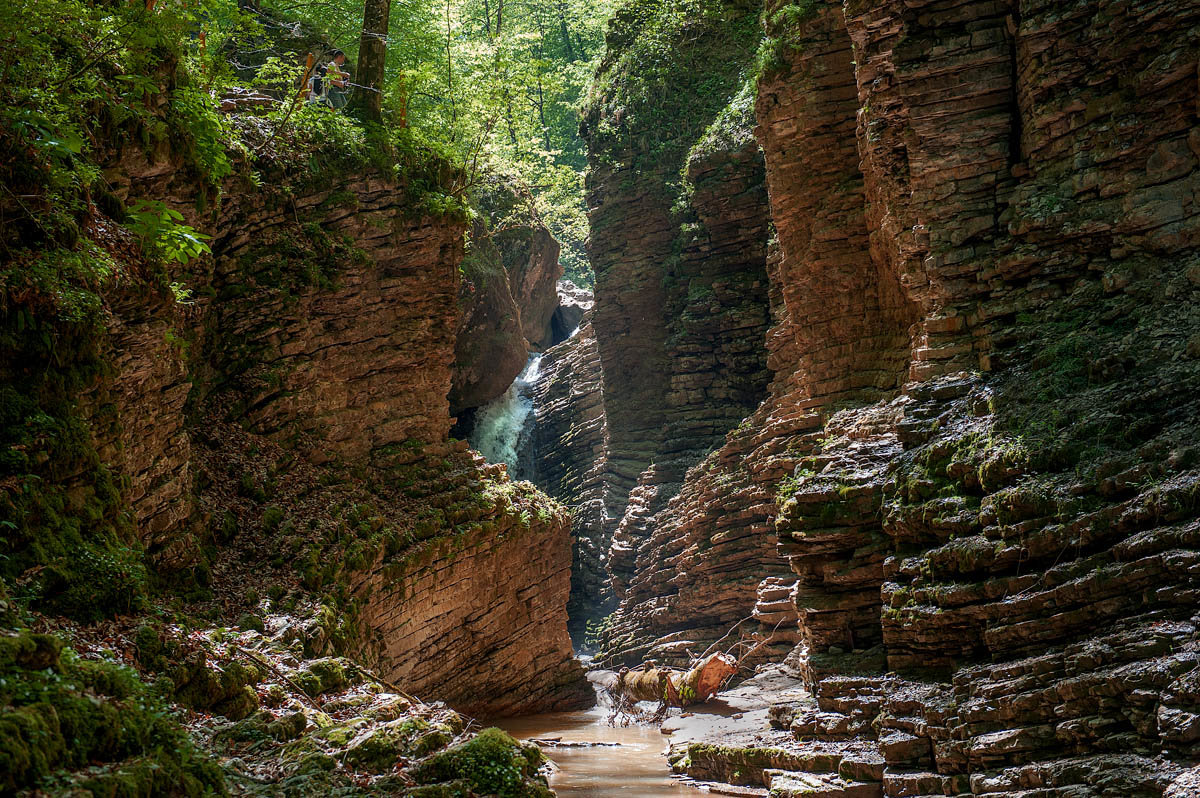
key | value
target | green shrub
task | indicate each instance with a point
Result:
(95, 582)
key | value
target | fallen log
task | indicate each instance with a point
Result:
(674, 687)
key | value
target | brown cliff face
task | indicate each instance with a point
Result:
(306, 391)
(1005, 259)
(680, 272)
(490, 348)
(573, 303)
(508, 298)
(569, 438)
(340, 330)
(501, 588)
(364, 379)
(681, 288)
(146, 438)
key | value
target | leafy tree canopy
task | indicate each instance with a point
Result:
(496, 83)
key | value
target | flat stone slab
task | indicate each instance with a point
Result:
(813, 785)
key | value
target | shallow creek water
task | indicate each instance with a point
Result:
(636, 768)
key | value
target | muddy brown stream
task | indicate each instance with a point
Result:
(636, 768)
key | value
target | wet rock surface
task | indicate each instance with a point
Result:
(573, 303)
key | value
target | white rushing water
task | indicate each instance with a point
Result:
(501, 423)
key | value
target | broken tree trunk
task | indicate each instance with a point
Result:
(674, 687)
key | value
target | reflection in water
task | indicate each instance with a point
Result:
(634, 769)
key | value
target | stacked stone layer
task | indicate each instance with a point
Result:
(977, 457)
(569, 440)
(319, 353)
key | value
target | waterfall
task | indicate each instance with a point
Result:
(502, 425)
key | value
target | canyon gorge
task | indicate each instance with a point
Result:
(890, 375)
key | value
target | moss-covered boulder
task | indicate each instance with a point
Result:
(379, 749)
(491, 763)
(63, 714)
(325, 675)
(223, 689)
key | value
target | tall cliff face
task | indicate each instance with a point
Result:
(354, 369)
(679, 238)
(234, 476)
(976, 454)
(294, 414)
(339, 331)
(508, 296)
(570, 436)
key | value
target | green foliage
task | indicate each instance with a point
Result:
(489, 95)
(272, 518)
(76, 76)
(163, 233)
(597, 630)
(782, 25)
(65, 521)
(71, 724)
(206, 135)
(95, 581)
(664, 93)
(491, 763)
(733, 127)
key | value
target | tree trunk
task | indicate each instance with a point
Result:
(674, 687)
(566, 32)
(372, 53)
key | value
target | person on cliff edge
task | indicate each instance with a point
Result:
(337, 81)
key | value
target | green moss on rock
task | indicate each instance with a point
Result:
(64, 714)
(491, 763)
(224, 689)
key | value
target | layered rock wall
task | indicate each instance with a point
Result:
(680, 232)
(569, 443)
(436, 619)
(310, 378)
(1004, 259)
(146, 439)
(340, 331)
(490, 348)
(679, 274)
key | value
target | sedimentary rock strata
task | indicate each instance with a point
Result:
(569, 439)
(319, 354)
(680, 278)
(573, 302)
(490, 347)
(681, 287)
(435, 620)
(139, 428)
(356, 366)
(976, 458)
